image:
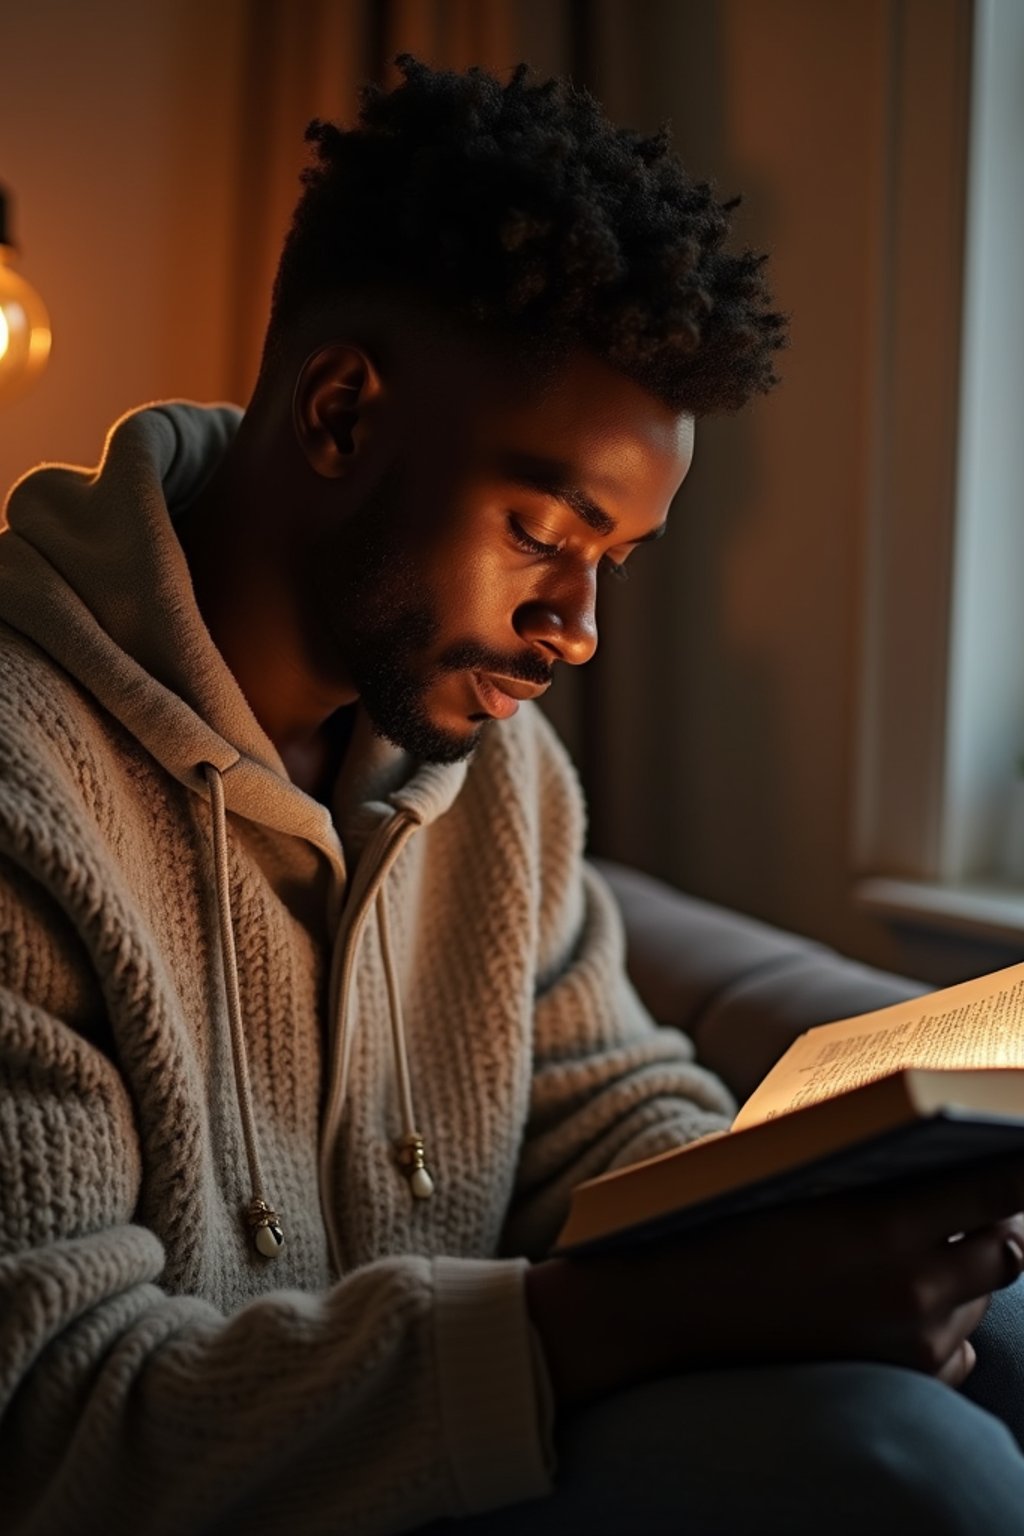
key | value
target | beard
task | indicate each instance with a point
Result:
(383, 628)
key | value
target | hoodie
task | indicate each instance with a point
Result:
(290, 1093)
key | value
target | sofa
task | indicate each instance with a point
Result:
(741, 990)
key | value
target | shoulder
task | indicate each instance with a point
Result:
(33, 689)
(37, 707)
(42, 708)
(56, 749)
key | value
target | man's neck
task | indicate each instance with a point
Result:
(314, 765)
(244, 591)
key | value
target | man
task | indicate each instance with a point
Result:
(311, 1014)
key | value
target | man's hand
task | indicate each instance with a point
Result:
(902, 1275)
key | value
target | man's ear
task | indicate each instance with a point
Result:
(335, 392)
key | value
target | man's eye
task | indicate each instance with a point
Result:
(528, 542)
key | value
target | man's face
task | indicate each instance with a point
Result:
(472, 567)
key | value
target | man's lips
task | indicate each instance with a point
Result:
(515, 687)
(500, 696)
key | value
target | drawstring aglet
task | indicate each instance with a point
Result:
(412, 1161)
(265, 1225)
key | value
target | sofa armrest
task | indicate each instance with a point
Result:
(741, 989)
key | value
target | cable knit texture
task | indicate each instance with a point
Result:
(156, 1374)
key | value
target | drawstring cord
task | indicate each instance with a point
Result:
(411, 1150)
(378, 859)
(376, 863)
(263, 1222)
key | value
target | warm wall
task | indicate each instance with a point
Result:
(118, 139)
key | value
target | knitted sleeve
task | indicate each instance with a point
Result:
(610, 1086)
(126, 1408)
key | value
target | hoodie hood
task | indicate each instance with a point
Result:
(92, 571)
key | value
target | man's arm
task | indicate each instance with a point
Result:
(609, 1086)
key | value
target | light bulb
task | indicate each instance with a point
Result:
(24, 324)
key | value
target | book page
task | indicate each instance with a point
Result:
(976, 1024)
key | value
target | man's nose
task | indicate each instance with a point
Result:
(563, 622)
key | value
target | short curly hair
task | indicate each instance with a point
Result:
(520, 208)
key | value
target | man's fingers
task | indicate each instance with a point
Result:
(1013, 1249)
(985, 1261)
(932, 1208)
(951, 1296)
(959, 1365)
(997, 1251)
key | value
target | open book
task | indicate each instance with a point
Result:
(937, 1082)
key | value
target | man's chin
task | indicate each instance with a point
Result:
(427, 742)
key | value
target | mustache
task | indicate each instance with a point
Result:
(525, 667)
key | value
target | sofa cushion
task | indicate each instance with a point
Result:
(741, 989)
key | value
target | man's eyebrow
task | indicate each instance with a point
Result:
(551, 477)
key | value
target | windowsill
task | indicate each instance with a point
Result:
(981, 909)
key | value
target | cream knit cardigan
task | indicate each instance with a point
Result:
(157, 1374)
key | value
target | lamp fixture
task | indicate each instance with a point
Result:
(24, 322)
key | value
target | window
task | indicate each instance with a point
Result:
(943, 694)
